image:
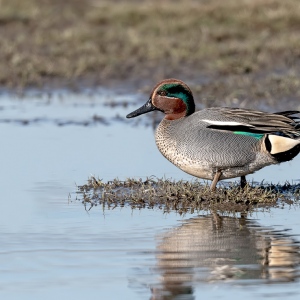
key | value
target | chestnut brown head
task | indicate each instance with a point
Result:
(171, 96)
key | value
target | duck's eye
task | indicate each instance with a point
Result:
(162, 93)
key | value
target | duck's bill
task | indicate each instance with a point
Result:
(147, 107)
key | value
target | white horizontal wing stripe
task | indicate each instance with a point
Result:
(226, 123)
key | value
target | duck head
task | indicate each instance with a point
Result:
(171, 96)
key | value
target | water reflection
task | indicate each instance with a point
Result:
(213, 248)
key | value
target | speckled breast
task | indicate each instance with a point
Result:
(201, 152)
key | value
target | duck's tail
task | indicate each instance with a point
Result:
(294, 116)
(285, 145)
(282, 148)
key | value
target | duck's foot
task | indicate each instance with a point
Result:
(215, 181)
(243, 181)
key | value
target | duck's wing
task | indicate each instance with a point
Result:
(250, 121)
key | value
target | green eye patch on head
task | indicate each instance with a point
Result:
(179, 91)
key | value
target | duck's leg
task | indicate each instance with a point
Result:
(215, 181)
(243, 181)
(217, 219)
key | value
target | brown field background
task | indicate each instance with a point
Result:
(234, 52)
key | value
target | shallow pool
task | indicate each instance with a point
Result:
(52, 247)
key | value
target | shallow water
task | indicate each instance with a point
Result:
(52, 247)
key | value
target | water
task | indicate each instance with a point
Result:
(51, 247)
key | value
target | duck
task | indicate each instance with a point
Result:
(219, 142)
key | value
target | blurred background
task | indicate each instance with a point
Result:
(235, 53)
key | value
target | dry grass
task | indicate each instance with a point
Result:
(50, 40)
(182, 196)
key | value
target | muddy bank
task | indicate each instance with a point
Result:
(237, 53)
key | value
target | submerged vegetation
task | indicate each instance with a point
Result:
(183, 196)
(235, 51)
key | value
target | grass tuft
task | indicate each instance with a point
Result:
(183, 196)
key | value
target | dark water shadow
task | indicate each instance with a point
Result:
(211, 248)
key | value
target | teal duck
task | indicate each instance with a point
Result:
(220, 142)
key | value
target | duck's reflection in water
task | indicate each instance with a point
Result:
(213, 248)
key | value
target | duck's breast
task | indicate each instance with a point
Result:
(199, 150)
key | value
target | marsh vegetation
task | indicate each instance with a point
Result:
(232, 53)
